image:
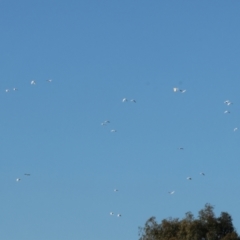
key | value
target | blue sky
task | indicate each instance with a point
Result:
(97, 53)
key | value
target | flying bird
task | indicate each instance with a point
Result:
(119, 215)
(113, 130)
(182, 90)
(175, 89)
(235, 129)
(111, 213)
(18, 179)
(181, 148)
(7, 90)
(49, 80)
(115, 190)
(15, 89)
(172, 192)
(189, 178)
(133, 100)
(27, 174)
(202, 173)
(124, 100)
(227, 111)
(33, 82)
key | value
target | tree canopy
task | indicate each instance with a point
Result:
(206, 227)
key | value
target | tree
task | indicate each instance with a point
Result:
(206, 227)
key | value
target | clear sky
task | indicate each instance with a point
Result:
(97, 53)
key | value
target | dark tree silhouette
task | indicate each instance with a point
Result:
(206, 227)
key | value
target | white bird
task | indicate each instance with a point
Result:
(202, 173)
(182, 90)
(115, 190)
(133, 100)
(124, 100)
(175, 89)
(106, 121)
(235, 129)
(111, 213)
(33, 82)
(7, 90)
(113, 130)
(18, 179)
(119, 215)
(172, 192)
(227, 102)
(49, 80)
(15, 89)
(227, 111)
(189, 178)
(103, 124)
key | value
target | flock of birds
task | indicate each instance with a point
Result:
(106, 122)
(175, 89)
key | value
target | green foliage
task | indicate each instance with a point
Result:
(206, 227)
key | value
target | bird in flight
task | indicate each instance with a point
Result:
(172, 192)
(49, 80)
(181, 148)
(124, 100)
(115, 190)
(235, 129)
(7, 90)
(18, 179)
(113, 130)
(111, 213)
(189, 178)
(175, 89)
(15, 89)
(133, 100)
(119, 215)
(202, 173)
(33, 82)
(227, 111)
(182, 90)
(27, 174)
